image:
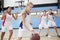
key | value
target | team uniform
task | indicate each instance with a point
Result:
(51, 21)
(43, 22)
(22, 28)
(7, 23)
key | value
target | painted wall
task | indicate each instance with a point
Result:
(34, 20)
(13, 3)
(43, 1)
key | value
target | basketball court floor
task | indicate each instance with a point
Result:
(39, 5)
(26, 35)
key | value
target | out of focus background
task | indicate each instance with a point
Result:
(39, 5)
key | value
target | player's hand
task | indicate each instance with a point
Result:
(31, 23)
(32, 31)
(16, 14)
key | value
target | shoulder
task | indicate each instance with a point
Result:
(24, 13)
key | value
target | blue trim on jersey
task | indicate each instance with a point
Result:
(27, 13)
(21, 25)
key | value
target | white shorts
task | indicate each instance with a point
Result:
(21, 31)
(51, 23)
(6, 27)
(43, 25)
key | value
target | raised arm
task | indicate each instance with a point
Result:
(40, 18)
(3, 16)
(15, 17)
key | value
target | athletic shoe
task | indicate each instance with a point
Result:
(48, 35)
(58, 35)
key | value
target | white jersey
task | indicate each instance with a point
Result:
(43, 19)
(22, 28)
(43, 22)
(50, 18)
(51, 21)
(27, 21)
(8, 19)
(7, 23)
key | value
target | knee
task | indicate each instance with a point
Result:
(11, 32)
(54, 26)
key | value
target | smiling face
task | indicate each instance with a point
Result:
(29, 7)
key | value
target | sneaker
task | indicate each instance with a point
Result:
(58, 35)
(49, 36)
(46, 34)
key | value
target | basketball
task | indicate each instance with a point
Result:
(35, 36)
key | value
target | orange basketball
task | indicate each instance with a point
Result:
(35, 36)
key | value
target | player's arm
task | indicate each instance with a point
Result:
(3, 16)
(15, 17)
(55, 15)
(40, 18)
(23, 19)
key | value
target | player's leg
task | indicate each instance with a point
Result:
(48, 27)
(20, 34)
(55, 28)
(47, 31)
(40, 27)
(10, 31)
(2, 35)
(3, 32)
(19, 38)
(39, 30)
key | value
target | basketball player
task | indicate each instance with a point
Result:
(7, 22)
(25, 21)
(35, 36)
(51, 21)
(43, 21)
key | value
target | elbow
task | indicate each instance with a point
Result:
(15, 18)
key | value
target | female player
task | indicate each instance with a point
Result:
(7, 22)
(25, 21)
(51, 21)
(43, 21)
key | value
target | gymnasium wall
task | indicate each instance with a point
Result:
(13, 3)
(35, 20)
(35, 2)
